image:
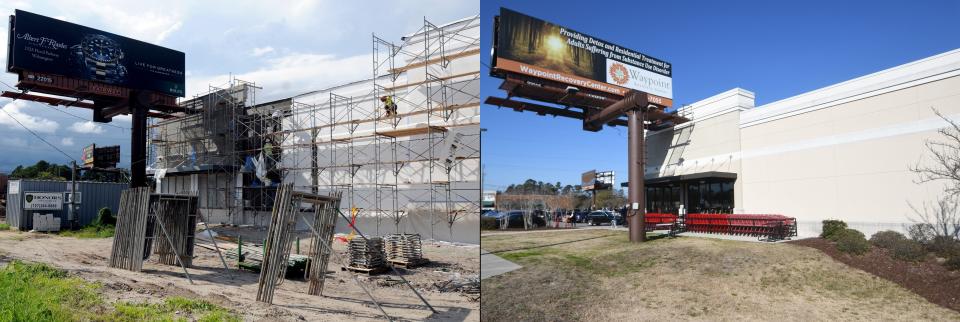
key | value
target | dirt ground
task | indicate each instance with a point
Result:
(927, 278)
(596, 275)
(236, 290)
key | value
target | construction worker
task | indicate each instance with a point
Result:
(389, 105)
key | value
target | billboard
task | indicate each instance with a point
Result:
(43, 44)
(87, 157)
(101, 157)
(530, 46)
(588, 180)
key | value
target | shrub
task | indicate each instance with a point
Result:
(953, 263)
(921, 233)
(105, 218)
(831, 227)
(946, 247)
(851, 241)
(488, 223)
(4, 226)
(908, 250)
(887, 239)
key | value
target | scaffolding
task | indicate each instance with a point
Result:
(422, 161)
(220, 151)
(414, 171)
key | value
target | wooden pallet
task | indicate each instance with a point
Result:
(368, 271)
(411, 264)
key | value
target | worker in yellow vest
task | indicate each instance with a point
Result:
(389, 105)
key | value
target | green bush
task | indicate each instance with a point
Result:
(4, 226)
(908, 250)
(488, 223)
(831, 227)
(851, 241)
(104, 218)
(887, 239)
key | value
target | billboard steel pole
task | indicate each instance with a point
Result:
(138, 140)
(636, 188)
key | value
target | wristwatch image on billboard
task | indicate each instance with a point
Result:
(99, 58)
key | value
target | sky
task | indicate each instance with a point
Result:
(286, 47)
(776, 49)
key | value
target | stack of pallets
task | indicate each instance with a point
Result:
(366, 254)
(404, 249)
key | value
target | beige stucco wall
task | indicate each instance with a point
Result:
(850, 161)
(709, 143)
(842, 151)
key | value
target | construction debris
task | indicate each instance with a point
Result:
(404, 249)
(468, 286)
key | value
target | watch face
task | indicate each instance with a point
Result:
(101, 48)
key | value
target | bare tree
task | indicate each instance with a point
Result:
(942, 216)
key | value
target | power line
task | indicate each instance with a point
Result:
(36, 135)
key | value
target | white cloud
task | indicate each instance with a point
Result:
(260, 51)
(14, 142)
(68, 141)
(16, 110)
(88, 127)
(293, 74)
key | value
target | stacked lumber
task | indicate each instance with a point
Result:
(366, 253)
(404, 248)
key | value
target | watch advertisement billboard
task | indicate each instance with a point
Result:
(43, 44)
(533, 47)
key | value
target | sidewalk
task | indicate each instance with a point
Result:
(492, 265)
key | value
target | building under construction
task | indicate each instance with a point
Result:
(414, 171)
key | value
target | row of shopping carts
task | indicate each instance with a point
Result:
(763, 226)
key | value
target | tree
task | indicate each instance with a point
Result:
(943, 216)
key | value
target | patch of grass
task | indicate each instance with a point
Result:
(170, 308)
(4, 226)
(90, 232)
(39, 292)
(578, 261)
(521, 254)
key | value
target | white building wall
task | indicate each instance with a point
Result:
(844, 151)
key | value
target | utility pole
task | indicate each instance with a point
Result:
(71, 213)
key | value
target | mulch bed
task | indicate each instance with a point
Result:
(928, 279)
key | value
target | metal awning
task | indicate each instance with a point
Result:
(690, 177)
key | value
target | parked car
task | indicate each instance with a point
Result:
(600, 217)
(489, 213)
(514, 219)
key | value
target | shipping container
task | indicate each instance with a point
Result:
(93, 197)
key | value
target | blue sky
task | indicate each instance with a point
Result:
(287, 47)
(775, 49)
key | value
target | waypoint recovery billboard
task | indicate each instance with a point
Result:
(534, 47)
(43, 44)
